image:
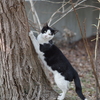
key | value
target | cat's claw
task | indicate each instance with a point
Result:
(60, 97)
(31, 34)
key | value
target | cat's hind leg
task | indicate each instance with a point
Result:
(62, 95)
(62, 84)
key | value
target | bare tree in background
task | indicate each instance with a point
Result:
(21, 76)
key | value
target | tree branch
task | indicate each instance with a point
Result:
(68, 12)
(56, 13)
(35, 15)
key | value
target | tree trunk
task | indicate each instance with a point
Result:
(21, 75)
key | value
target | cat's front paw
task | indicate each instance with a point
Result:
(31, 33)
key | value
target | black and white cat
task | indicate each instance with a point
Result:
(56, 62)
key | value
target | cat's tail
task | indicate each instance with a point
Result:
(78, 87)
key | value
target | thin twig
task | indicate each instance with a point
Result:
(96, 47)
(53, 2)
(63, 9)
(94, 39)
(90, 6)
(56, 13)
(97, 38)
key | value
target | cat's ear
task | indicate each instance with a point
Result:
(45, 25)
(55, 31)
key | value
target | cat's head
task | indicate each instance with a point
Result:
(47, 32)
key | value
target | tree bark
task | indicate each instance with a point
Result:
(21, 74)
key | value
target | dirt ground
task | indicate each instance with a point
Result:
(79, 59)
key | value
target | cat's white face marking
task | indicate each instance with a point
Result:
(47, 35)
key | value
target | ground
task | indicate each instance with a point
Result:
(78, 57)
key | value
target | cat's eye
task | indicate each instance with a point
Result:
(45, 31)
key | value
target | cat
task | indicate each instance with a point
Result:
(56, 62)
